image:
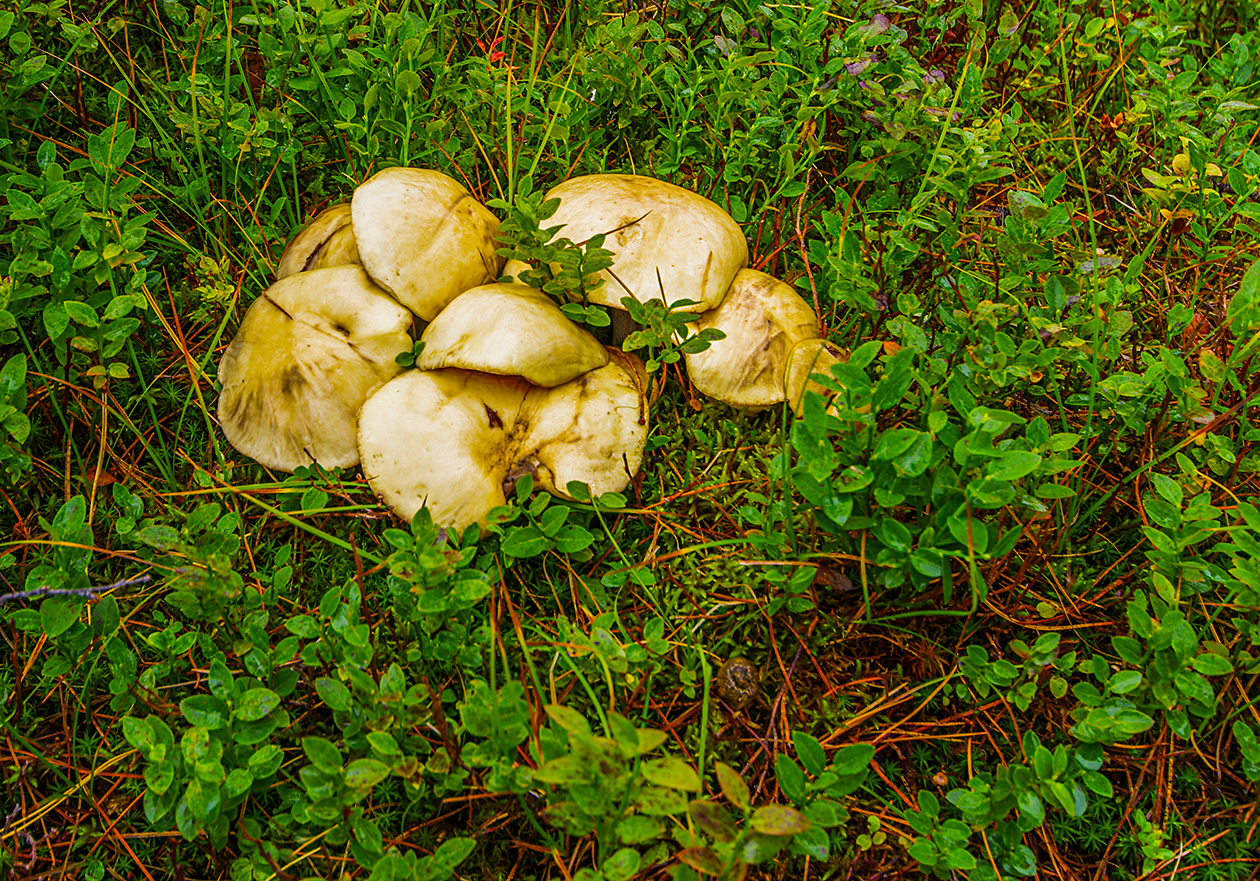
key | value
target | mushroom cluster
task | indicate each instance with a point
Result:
(505, 384)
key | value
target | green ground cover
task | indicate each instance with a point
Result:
(1001, 600)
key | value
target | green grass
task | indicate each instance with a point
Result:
(1033, 231)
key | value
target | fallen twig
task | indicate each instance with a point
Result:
(89, 592)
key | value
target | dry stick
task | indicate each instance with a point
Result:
(89, 592)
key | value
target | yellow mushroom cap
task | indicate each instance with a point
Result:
(591, 430)
(511, 330)
(423, 237)
(763, 318)
(308, 353)
(442, 438)
(327, 239)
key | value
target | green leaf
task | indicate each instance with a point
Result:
(333, 693)
(264, 761)
(81, 313)
(1054, 491)
(1030, 807)
(758, 847)
(1210, 664)
(304, 626)
(205, 711)
(322, 753)
(1129, 722)
(624, 732)
(672, 772)
(161, 538)
(525, 541)
(139, 733)
(658, 801)
(256, 703)
(383, 743)
(637, 829)
(407, 82)
(1124, 681)
(365, 773)
(570, 720)
(702, 859)
(917, 458)
(779, 820)
(13, 379)
(899, 373)
(220, 679)
(1014, 464)
(159, 774)
(813, 842)
(809, 751)
(714, 821)
(202, 799)
(1243, 311)
(450, 854)
(852, 759)
(562, 770)
(790, 777)
(238, 782)
(893, 443)
(733, 786)
(57, 614)
(826, 813)
(621, 865)
(1168, 489)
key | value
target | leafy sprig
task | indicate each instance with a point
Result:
(566, 271)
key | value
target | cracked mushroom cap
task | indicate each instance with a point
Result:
(662, 237)
(327, 239)
(308, 353)
(592, 430)
(450, 439)
(423, 237)
(511, 330)
(763, 318)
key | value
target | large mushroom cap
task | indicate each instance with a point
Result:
(591, 430)
(450, 439)
(308, 353)
(423, 237)
(511, 330)
(327, 239)
(763, 318)
(442, 438)
(668, 243)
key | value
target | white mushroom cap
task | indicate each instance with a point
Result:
(668, 242)
(442, 438)
(308, 353)
(423, 237)
(807, 358)
(763, 318)
(591, 430)
(511, 330)
(449, 439)
(327, 239)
